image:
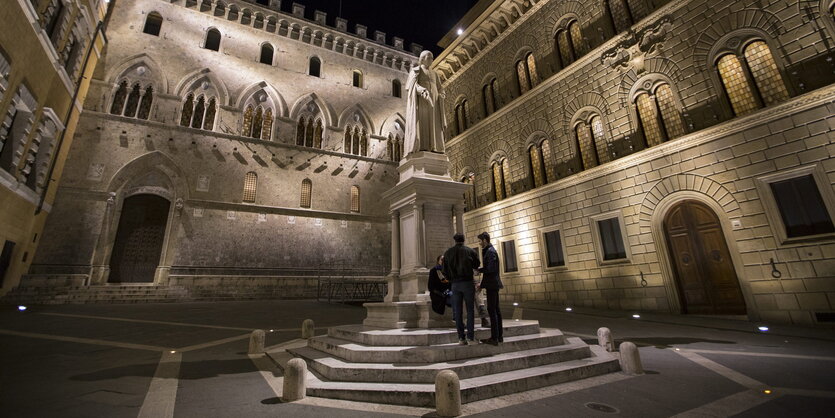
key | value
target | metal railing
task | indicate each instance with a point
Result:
(343, 282)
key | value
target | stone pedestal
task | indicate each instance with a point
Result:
(423, 205)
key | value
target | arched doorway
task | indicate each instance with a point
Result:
(139, 239)
(704, 271)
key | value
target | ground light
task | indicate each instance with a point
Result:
(21, 308)
(636, 316)
(767, 391)
(568, 309)
(762, 328)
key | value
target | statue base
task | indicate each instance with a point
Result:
(415, 314)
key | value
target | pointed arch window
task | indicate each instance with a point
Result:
(145, 103)
(199, 112)
(153, 24)
(212, 40)
(309, 132)
(314, 67)
(620, 13)
(306, 193)
(250, 187)
(394, 148)
(134, 102)
(751, 79)
(526, 73)
(396, 88)
(356, 141)
(118, 105)
(355, 199)
(266, 54)
(658, 115)
(300, 131)
(461, 116)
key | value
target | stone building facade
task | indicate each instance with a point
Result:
(229, 142)
(48, 50)
(672, 156)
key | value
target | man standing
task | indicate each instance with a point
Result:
(491, 282)
(459, 263)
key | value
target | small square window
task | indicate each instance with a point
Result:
(611, 240)
(801, 207)
(553, 249)
(509, 256)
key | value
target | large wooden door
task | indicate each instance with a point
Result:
(139, 239)
(704, 270)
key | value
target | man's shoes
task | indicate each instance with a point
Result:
(462, 342)
(490, 341)
(471, 342)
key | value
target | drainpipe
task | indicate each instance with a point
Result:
(100, 29)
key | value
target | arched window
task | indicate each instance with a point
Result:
(469, 195)
(659, 117)
(199, 112)
(136, 103)
(396, 88)
(356, 79)
(355, 199)
(526, 73)
(753, 81)
(356, 141)
(586, 145)
(501, 175)
(620, 13)
(119, 98)
(307, 192)
(145, 103)
(250, 187)
(314, 67)
(488, 96)
(153, 24)
(266, 54)
(537, 154)
(233, 13)
(309, 132)
(461, 117)
(569, 41)
(133, 101)
(300, 131)
(212, 40)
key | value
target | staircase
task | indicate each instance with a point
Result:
(96, 294)
(398, 366)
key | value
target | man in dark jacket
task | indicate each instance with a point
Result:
(491, 283)
(459, 263)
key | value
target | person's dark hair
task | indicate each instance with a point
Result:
(485, 236)
(458, 237)
(438, 260)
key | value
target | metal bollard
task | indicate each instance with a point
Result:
(605, 340)
(294, 380)
(447, 394)
(630, 359)
(308, 330)
(256, 342)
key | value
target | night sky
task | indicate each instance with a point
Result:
(422, 21)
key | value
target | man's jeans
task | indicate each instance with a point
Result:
(464, 291)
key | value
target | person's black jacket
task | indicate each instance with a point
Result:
(459, 263)
(490, 272)
(436, 288)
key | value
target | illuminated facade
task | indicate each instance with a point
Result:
(229, 143)
(671, 156)
(48, 50)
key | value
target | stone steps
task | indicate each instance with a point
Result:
(398, 366)
(472, 389)
(332, 368)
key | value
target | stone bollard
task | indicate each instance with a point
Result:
(308, 330)
(630, 359)
(294, 380)
(256, 342)
(447, 394)
(605, 340)
(517, 312)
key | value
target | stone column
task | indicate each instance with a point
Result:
(419, 235)
(459, 218)
(395, 242)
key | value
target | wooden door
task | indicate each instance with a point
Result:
(705, 274)
(139, 239)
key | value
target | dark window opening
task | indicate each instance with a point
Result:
(263, 2)
(509, 256)
(553, 244)
(357, 79)
(266, 54)
(5, 259)
(396, 88)
(153, 24)
(801, 207)
(315, 67)
(213, 40)
(611, 239)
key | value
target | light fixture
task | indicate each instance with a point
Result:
(515, 303)
(21, 308)
(568, 309)
(767, 391)
(459, 31)
(636, 316)
(172, 351)
(762, 328)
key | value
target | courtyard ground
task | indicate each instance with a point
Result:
(113, 360)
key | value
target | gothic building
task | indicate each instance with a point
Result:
(672, 156)
(229, 143)
(48, 50)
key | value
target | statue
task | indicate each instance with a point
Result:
(425, 119)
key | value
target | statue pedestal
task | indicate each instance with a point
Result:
(427, 208)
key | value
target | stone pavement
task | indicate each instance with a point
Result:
(189, 359)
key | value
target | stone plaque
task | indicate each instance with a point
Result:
(203, 183)
(262, 217)
(343, 224)
(231, 215)
(317, 222)
(367, 226)
(95, 172)
(291, 219)
(198, 212)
